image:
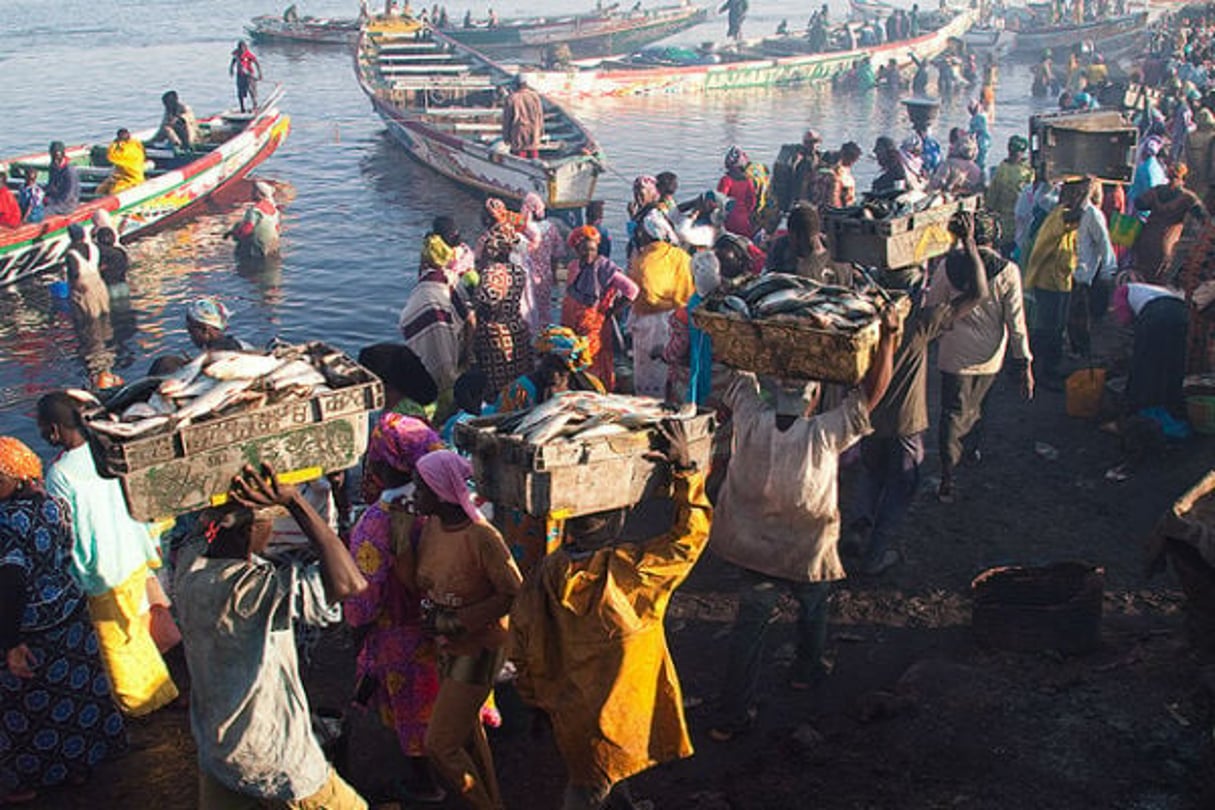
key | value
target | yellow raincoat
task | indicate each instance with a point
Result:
(591, 649)
(1052, 262)
(128, 158)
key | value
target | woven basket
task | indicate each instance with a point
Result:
(1051, 607)
(788, 346)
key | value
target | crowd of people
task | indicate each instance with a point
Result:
(450, 598)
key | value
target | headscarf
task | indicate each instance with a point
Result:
(101, 219)
(571, 347)
(645, 190)
(1018, 143)
(584, 233)
(398, 441)
(265, 190)
(208, 312)
(706, 272)
(656, 224)
(503, 215)
(1151, 147)
(736, 158)
(447, 474)
(18, 461)
(500, 239)
(436, 252)
(532, 204)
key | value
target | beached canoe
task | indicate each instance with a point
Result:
(178, 185)
(771, 62)
(598, 33)
(1110, 35)
(442, 101)
(306, 30)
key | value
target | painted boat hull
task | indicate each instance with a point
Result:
(483, 165)
(266, 30)
(162, 202)
(1106, 33)
(750, 73)
(586, 35)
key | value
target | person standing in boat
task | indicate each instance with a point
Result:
(523, 120)
(248, 73)
(736, 11)
(63, 183)
(256, 234)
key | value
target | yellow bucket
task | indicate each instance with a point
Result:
(1084, 391)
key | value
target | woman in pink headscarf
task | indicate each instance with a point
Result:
(396, 669)
(545, 250)
(469, 581)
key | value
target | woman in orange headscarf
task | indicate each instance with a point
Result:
(595, 286)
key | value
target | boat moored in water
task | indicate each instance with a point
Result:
(307, 30)
(178, 184)
(1110, 35)
(443, 102)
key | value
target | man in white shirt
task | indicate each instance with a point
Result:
(1094, 273)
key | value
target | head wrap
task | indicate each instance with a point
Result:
(811, 136)
(532, 204)
(656, 224)
(265, 190)
(736, 158)
(435, 251)
(447, 474)
(18, 461)
(706, 272)
(398, 441)
(500, 239)
(101, 219)
(208, 312)
(1151, 147)
(1018, 143)
(567, 344)
(584, 233)
(645, 190)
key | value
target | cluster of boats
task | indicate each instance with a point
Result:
(440, 92)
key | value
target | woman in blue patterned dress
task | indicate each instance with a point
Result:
(57, 716)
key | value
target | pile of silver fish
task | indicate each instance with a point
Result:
(216, 383)
(583, 415)
(779, 294)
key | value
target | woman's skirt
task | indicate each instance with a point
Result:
(56, 726)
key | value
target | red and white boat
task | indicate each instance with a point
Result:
(177, 186)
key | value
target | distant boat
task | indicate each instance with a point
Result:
(595, 33)
(1110, 34)
(309, 30)
(996, 40)
(177, 187)
(770, 62)
(442, 101)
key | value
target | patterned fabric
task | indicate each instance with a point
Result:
(395, 656)
(541, 260)
(399, 441)
(59, 724)
(436, 252)
(567, 344)
(17, 460)
(736, 158)
(501, 342)
(209, 312)
(584, 233)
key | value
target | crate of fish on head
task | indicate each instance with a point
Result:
(578, 453)
(795, 328)
(893, 232)
(174, 441)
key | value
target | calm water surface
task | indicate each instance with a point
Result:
(77, 71)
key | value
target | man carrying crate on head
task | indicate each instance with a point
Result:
(778, 518)
(590, 647)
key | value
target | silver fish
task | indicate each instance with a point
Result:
(175, 383)
(296, 372)
(600, 431)
(201, 385)
(539, 414)
(139, 411)
(549, 428)
(128, 430)
(241, 366)
(223, 394)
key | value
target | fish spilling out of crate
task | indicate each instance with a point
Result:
(777, 294)
(583, 415)
(891, 205)
(218, 383)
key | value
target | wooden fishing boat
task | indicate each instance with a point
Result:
(178, 185)
(442, 101)
(307, 30)
(1110, 35)
(998, 41)
(771, 62)
(598, 33)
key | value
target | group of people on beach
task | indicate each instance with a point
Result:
(451, 599)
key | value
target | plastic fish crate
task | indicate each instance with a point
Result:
(1101, 144)
(568, 478)
(790, 347)
(895, 242)
(173, 473)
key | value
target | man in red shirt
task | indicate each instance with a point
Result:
(248, 72)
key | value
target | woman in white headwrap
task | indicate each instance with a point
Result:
(256, 234)
(663, 272)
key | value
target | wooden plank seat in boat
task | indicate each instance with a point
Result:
(437, 56)
(465, 112)
(422, 70)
